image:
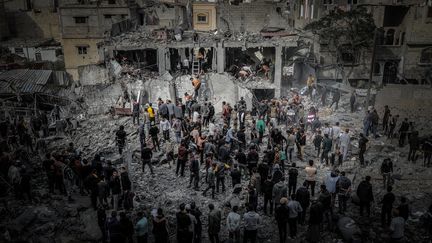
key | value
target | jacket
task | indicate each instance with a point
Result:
(303, 197)
(211, 177)
(268, 188)
(233, 222)
(364, 192)
(280, 190)
(252, 220)
(141, 227)
(214, 221)
(194, 166)
(325, 200)
(282, 213)
(294, 208)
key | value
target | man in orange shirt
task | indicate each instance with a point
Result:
(196, 83)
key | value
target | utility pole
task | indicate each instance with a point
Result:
(372, 65)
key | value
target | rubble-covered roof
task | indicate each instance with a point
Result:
(144, 38)
(27, 80)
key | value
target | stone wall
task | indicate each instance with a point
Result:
(92, 75)
(99, 98)
(408, 101)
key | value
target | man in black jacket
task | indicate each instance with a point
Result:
(282, 215)
(146, 156)
(387, 207)
(183, 223)
(121, 139)
(292, 179)
(403, 130)
(267, 191)
(194, 172)
(303, 197)
(362, 146)
(325, 199)
(235, 175)
(386, 171)
(365, 195)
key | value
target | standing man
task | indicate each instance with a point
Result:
(252, 221)
(182, 157)
(362, 146)
(183, 224)
(403, 131)
(151, 113)
(386, 171)
(261, 128)
(211, 177)
(282, 213)
(303, 197)
(386, 118)
(292, 179)
(154, 131)
(336, 98)
(311, 172)
(352, 101)
(365, 194)
(141, 228)
(295, 210)
(121, 139)
(344, 189)
(310, 84)
(387, 207)
(165, 126)
(136, 111)
(214, 223)
(233, 225)
(146, 157)
(194, 172)
(196, 83)
(345, 141)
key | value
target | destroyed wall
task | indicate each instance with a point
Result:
(161, 16)
(93, 75)
(99, 98)
(250, 17)
(407, 101)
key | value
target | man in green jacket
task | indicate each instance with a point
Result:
(261, 128)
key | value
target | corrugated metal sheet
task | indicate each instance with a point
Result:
(25, 80)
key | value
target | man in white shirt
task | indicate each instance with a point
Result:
(344, 142)
(165, 127)
(336, 132)
(233, 225)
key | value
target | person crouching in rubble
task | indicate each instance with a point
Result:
(121, 139)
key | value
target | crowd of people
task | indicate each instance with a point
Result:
(262, 151)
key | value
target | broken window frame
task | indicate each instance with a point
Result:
(426, 56)
(81, 19)
(202, 14)
(342, 54)
(82, 50)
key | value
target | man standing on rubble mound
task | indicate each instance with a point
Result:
(121, 139)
